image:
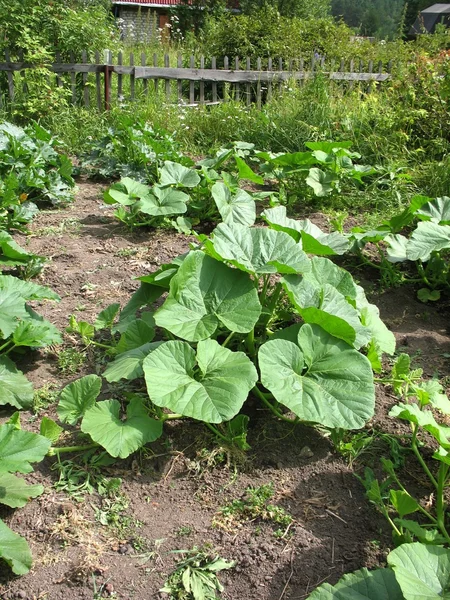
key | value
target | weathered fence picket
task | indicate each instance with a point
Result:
(202, 82)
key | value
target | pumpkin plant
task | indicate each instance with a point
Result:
(247, 315)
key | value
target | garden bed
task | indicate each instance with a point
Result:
(177, 489)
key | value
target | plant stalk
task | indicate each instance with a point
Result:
(64, 449)
(272, 408)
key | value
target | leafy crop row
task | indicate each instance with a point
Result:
(31, 172)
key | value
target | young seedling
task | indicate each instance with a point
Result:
(195, 576)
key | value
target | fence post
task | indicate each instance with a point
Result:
(214, 85)
(85, 80)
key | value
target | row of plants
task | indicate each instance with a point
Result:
(32, 174)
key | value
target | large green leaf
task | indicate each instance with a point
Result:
(19, 448)
(423, 418)
(330, 304)
(77, 397)
(164, 201)
(427, 238)
(320, 379)
(314, 240)
(126, 192)
(145, 295)
(120, 438)
(15, 387)
(245, 172)
(361, 585)
(11, 253)
(437, 211)
(397, 248)
(36, 334)
(213, 393)
(14, 550)
(238, 208)
(206, 294)
(259, 250)
(15, 492)
(320, 181)
(175, 174)
(422, 571)
(128, 365)
(12, 309)
(138, 333)
(27, 289)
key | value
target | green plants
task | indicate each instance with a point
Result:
(329, 165)
(31, 171)
(422, 402)
(132, 148)
(12, 256)
(195, 576)
(20, 328)
(413, 571)
(247, 316)
(70, 360)
(426, 247)
(253, 506)
(18, 449)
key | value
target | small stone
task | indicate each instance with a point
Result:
(109, 588)
(306, 452)
(123, 549)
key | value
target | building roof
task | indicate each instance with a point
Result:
(437, 8)
(154, 3)
(430, 17)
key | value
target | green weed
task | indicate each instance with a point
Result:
(71, 360)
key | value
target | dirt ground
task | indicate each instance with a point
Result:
(173, 493)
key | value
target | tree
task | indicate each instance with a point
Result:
(289, 8)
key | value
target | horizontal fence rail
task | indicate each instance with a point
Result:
(191, 82)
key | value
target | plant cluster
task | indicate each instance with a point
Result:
(18, 449)
(31, 172)
(427, 222)
(247, 314)
(195, 576)
(131, 148)
(20, 328)
(425, 407)
(254, 505)
(213, 183)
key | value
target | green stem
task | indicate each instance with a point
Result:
(274, 297)
(422, 273)
(217, 432)
(171, 417)
(262, 297)
(63, 449)
(419, 457)
(272, 408)
(5, 345)
(228, 339)
(422, 510)
(100, 345)
(440, 504)
(251, 342)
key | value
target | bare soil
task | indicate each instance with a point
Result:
(176, 489)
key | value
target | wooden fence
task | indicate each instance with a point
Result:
(189, 82)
